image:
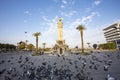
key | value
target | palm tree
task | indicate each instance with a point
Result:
(44, 45)
(88, 44)
(36, 35)
(26, 44)
(81, 28)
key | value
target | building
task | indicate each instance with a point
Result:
(112, 34)
(60, 45)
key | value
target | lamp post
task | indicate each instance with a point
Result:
(26, 42)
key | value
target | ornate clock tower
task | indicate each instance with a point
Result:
(60, 45)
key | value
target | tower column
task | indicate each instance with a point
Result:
(60, 31)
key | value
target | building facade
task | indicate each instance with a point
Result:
(112, 34)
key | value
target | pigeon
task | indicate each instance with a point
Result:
(70, 62)
(7, 78)
(8, 72)
(91, 78)
(1, 72)
(19, 61)
(25, 32)
(90, 66)
(26, 59)
(32, 63)
(76, 66)
(63, 58)
(9, 61)
(21, 65)
(95, 67)
(80, 77)
(109, 62)
(58, 55)
(110, 78)
(44, 63)
(55, 63)
(105, 68)
(28, 73)
(20, 57)
(2, 61)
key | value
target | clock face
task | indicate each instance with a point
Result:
(60, 19)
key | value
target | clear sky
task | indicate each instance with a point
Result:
(18, 16)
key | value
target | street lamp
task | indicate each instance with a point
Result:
(26, 42)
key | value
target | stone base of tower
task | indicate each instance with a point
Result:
(60, 47)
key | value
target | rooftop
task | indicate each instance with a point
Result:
(115, 25)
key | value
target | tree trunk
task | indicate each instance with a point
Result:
(37, 44)
(81, 32)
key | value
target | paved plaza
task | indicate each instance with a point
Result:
(96, 66)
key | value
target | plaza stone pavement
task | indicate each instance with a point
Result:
(96, 66)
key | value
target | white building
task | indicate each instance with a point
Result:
(112, 34)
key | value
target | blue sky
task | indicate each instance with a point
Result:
(18, 16)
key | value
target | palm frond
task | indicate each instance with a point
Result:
(37, 34)
(81, 27)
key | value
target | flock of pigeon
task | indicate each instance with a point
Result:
(96, 66)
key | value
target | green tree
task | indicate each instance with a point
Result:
(30, 46)
(88, 44)
(36, 35)
(81, 28)
(12, 47)
(44, 44)
(22, 45)
(95, 46)
(0, 46)
(7, 46)
(109, 45)
(26, 44)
